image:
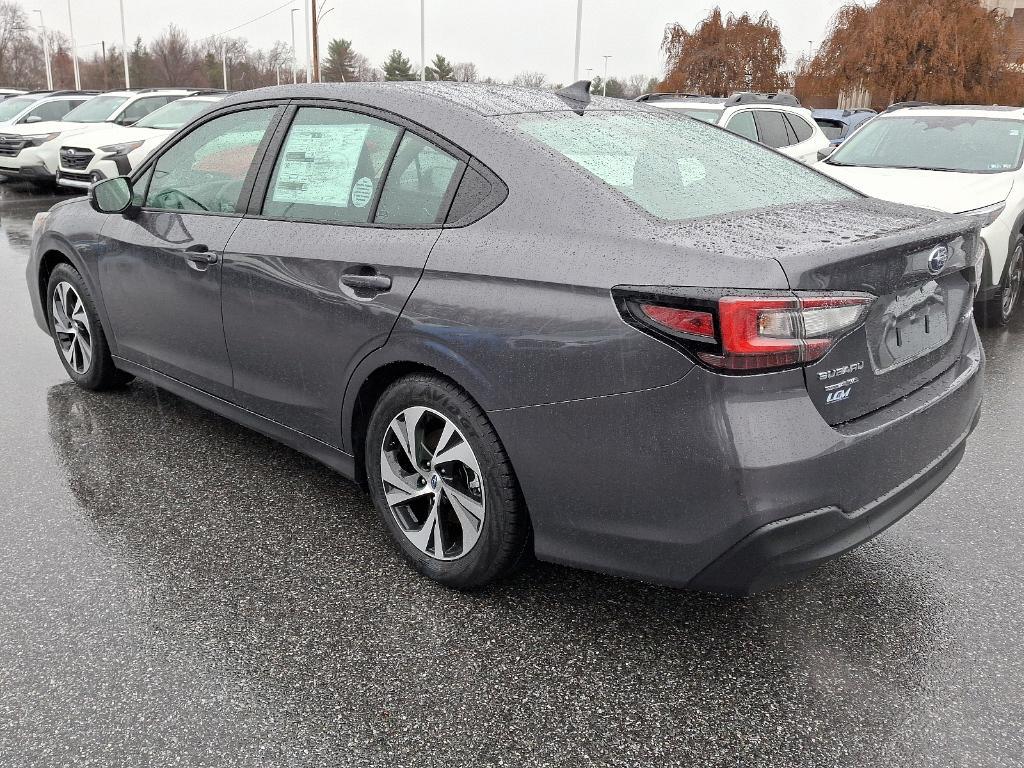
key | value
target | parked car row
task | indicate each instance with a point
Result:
(73, 138)
(741, 368)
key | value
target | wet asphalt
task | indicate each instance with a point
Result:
(177, 590)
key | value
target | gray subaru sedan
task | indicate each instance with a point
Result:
(536, 322)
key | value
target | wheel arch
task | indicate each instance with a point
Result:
(382, 368)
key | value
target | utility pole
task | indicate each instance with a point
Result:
(579, 30)
(224, 58)
(74, 50)
(604, 83)
(46, 52)
(309, 49)
(278, 74)
(423, 41)
(316, 43)
(124, 50)
(295, 57)
(106, 76)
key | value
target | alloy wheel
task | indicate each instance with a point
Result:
(71, 324)
(432, 483)
(1014, 281)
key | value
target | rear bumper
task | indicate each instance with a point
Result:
(730, 483)
(782, 551)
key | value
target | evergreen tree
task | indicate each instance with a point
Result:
(440, 69)
(397, 67)
(340, 64)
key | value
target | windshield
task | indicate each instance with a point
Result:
(12, 107)
(964, 143)
(95, 110)
(173, 115)
(679, 169)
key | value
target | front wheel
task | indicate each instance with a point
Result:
(999, 311)
(77, 333)
(443, 485)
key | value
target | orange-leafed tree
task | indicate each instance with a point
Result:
(947, 51)
(723, 55)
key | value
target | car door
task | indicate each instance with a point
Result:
(160, 268)
(742, 123)
(772, 130)
(315, 277)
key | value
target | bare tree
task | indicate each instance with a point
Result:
(174, 57)
(635, 85)
(466, 72)
(530, 79)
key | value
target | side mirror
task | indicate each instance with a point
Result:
(823, 153)
(33, 119)
(111, 195)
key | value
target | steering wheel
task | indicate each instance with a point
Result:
(177, 193)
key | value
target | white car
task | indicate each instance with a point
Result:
(31, 151)
(40, 106)
(116, 150)
(955, 159)
(775, 120)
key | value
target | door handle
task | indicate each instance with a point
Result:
(377, 283)
(200, 254)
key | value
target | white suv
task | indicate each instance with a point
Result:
(775, 120)
(115, 150)
(40, 106)
(957, 159)
(30, 151)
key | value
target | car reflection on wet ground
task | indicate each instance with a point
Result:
(178, 590)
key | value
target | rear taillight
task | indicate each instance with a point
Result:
(749, 333)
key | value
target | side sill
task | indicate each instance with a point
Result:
(339, 461)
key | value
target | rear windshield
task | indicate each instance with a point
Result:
(174, 115)
(679, 169)
(11, 107)
(831, 128)
(707, 115)
(95, 110)
(963, 143)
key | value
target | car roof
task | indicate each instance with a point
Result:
(415, 97)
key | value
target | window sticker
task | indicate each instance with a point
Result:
(319, 164)
(362, 191)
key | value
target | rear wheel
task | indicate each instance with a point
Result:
(999, 311)
(442, 483)
(77, 333)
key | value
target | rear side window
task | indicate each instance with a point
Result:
(743, 124)
(800, 127)
(771, 127)
(330, 167)
(676, 169)
(417, 184)
(206, 168)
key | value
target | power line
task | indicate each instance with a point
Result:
(250, 21)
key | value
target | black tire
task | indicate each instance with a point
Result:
(998, 312)
(504, 534)
(100, 373)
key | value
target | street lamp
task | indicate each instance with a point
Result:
(604, 83)
(295, 77)
(74, 50)
(423, 41)
(46, 52)
(124, 50)
(579, 29)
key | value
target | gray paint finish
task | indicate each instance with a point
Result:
(631, 458)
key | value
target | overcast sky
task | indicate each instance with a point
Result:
(502, 37)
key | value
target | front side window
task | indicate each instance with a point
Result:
(96, 109)
(963, 143)
(175, 114)
(743, 124)
(204, 170)
(706, 115)
(330, 167)
(417, 183)
(771, 127)
(678, 169)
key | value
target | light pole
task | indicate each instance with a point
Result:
(579, 30)
(74, 50)
(309, 48)
(124, 50)
(604, 83)
(46, 52)
(224, 58)
(423, 41)
(295, 56)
